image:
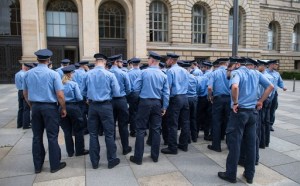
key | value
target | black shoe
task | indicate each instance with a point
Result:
(100, 133)
(183, 148)
(129, 149)
(132, 134)
(85, 152)
(145, 134)
(189, 141)
(262, 146)
(113, 163)
(250, 181)
(61, 166)
(85, 132)
(71, 155)
(240, 163)
(272, 129)
(168, 151)
(95, 166)
(134, 160)
(155, 160)
(165, 143)
(208, 138)
(148, 143)
(18, 127)
(27, 127)
(223, 176)
(195, 140)
(256, 163)
(210, 147)
(37, 171)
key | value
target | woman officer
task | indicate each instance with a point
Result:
(73, 122)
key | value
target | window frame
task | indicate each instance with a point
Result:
(240, 27)
(272, 29)
(203, 17)
(14, 21)
(296, 38)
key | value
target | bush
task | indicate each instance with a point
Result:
(290, 75)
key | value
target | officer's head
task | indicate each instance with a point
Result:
(221, 62)
(194, 64)
(43, 55)
(100, 59)
(116, 60)
(206, 65)
(68, 73)
(262, 64)
(273, 64)
(27, 66)
(235, 62)
(65, 62)
(134, 61)
(250, 63)
(84, 64)
(171, 59)
(50, 65)
(153, 59)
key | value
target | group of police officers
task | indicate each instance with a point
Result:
(234, 97)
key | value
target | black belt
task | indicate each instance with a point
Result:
(152, 99)
(246, 109)
(99, 102)
(119, 97)
(36, 102)
(72, 103)
(222, 96)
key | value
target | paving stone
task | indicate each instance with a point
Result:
(289, 170)
(294, 154)
(270, 157)
(279, 132)
(282, 145)
(149, 168)
(174, 179)
(16, 166)
(74, 181)
(198, 169)
(75, 167)
(293, 139)
(295, 131)
(23, 146)
(9, 137)
(287, 126)
(18, 180)
(116, 176)
(4, 151)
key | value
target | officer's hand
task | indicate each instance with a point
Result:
(163, 112)
(235, 108)
(63, 113)
(259, 105)
(284, 88)
(87, 102)
(211, 99)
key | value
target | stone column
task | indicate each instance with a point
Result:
(140, 32)
(89, 19)
(30, 29)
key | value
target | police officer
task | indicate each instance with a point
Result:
(195, 69)
(219, 95)
(99, 84)
(78, 77)
(154, 92)
(133, 97)
(119, 101)
(64, 63)
(124, 66)
(73, 122)
(23, 119)
(272, 70)
(244, 84)
(178, 79)
(42, 90)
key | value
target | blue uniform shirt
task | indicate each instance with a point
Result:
(19, 79)
(78, 77)
(72, 92)
(123, 81)
(133, 74)
(197, 72)
(248, 81)
(42, 84)
(153, 83)
(202, 86)
(100, 84)
(61, 73)
(192, 89)
(178, 79)
(218, 82)
(261, 89)
(277, 79)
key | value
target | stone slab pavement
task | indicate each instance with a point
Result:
(279, 164)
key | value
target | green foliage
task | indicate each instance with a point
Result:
(290, 75)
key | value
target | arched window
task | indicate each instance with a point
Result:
(62, 19)
(272, 36)
(199, 24)
(10, 19)
(240, 31)
(112, 22)
(296, 37)
(158, 20)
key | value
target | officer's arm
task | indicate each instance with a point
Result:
(210, 87)
(61, 100)
(280, 84)
(268, 89)
(115, 85)
(235, 93)
(127, 84)
(165, 96)
(77, 93)
(25, 94)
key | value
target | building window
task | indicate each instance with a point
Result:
(297, 65)
(230, 24)
(199, 24)
(158, 20)
(296, 37)
(112, 21)
(272, 36)
(62, 19)
(10, 19)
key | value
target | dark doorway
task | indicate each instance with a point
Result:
(110, 47)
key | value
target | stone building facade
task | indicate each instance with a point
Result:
(195, 29)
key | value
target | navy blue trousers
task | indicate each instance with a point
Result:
(273, 108)
(121, 115)
(204, 115)
(133, 100)
(101, 112)
(178, 112)
(220, 110)
(23, 119)
(193, 117)
(45, 116)
(265, 125)
(149, 111)
(241, 124)
(73, 122)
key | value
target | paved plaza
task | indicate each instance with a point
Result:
(279, 164)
